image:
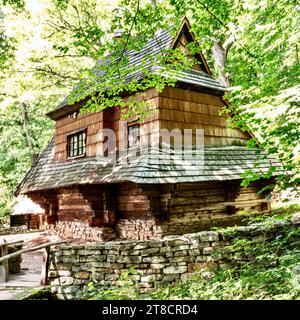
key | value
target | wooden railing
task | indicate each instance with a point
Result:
(4, 252)
(4, 257)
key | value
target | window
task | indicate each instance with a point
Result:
(133, 135)
(76, 144)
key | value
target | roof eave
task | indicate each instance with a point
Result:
(201, 88)
(67, 108)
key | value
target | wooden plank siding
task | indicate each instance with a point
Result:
(173, 108)
(91, 122)
(186, 109)
(110, 118)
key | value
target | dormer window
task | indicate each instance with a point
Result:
(133, 135)
(76, 143)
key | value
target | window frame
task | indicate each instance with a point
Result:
(131, 125)
(77, 134)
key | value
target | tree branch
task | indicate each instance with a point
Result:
(50, 71)
(227, 28)
(128, 36)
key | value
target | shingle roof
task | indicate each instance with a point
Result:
(221, 163)
(145, 59)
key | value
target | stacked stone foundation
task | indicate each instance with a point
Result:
(129, 229)
(157, 262)
(82, 231)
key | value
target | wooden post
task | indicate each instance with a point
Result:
(45, 266)
(4, 272)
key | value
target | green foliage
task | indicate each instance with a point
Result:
(6, 44)
(6, 48)
(15, 3)
(77, 27)
(275, 123)
(266, 96)
(249, 282)
(5, 205)
(27, 78)
(272, 30)
(15, 157)
(125, 289)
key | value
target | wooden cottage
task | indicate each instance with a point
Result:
(93, 198)
(26, 213)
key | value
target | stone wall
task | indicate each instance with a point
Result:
(125, 229)
(138, 229)
(158, 262)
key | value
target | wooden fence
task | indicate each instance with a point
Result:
(4, 257)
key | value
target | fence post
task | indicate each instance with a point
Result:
(4, 268)
(46, 253)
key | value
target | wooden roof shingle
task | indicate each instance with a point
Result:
(144, 59)
(221, 163)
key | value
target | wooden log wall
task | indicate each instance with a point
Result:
(132, 202)
(47, 199)
(145, 201)
(155, 211)
(72, 205)
(31, 220)
(200, 206)
(138, 207)
(91, 204)
(130, 211)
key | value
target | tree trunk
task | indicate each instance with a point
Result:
(220, 53)
(154, 3)
(28, 137)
